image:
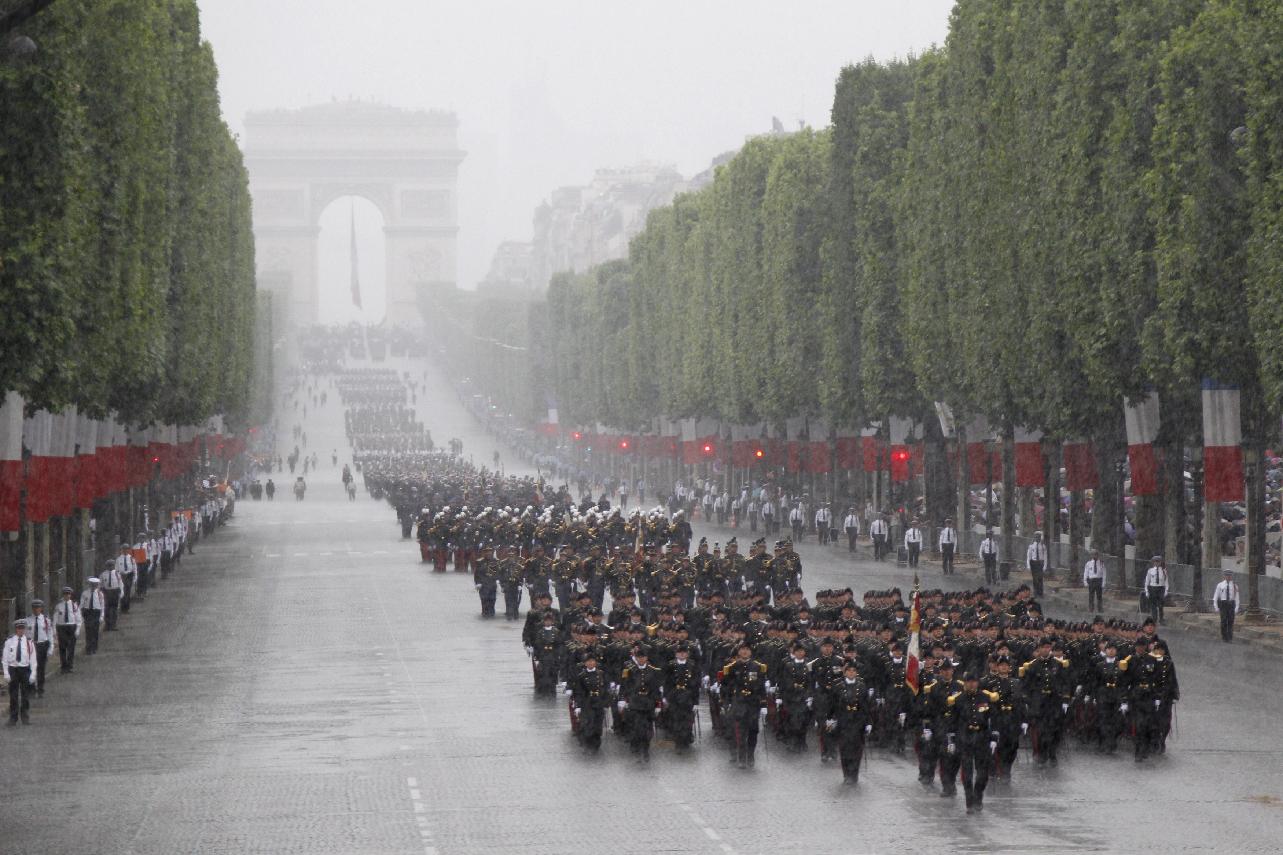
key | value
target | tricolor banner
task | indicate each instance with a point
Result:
(1142, 429)
(1029, 470)
(913, 655)
(11, 462)
(1080, 467)
(1222, 443)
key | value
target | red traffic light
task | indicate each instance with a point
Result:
(155, 460)
(900, 456)
(708, 448)
(759, 453)
(576, 436)
(623, 445)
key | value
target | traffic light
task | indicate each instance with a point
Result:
(623, 445)
(707, 448)
(576, 436)
(759, 454)
(899, 456)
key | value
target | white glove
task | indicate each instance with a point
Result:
(1157, 702)
(568, 693)
(577, 712)
(951, 748)
(560, 686)
(870, 693)
(868, 728)
(530, 651)
(830, 724)
(1024, 727)
(993, 746)
(810, 703)
(882, 702)
(1122, 708)
(901, 717)
(1064, 708)
(1086, 699)
(1078, 690)
(778, 703)
(926, 734)
(704, 682)
(716, 688)
(622, 705)
(770, 690)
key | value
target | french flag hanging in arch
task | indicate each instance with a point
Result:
(1222, 443)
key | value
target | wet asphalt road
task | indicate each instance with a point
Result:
(305, 685)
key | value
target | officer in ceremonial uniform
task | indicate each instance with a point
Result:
(849, 720)
(743, 687)
(590, 693)
(641, 693)
(681, 696)
(972, 737)
(485, 576)
(794, 698)
(1047, 691)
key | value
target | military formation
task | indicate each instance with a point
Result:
(646, 634)
(123, 583)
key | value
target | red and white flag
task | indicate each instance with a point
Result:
(913, 656)
(1222, 443)
(1142, 429)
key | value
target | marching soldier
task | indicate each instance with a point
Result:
(590, 694)
(546, 654)
(744, 684)
(1045, 680)
(1108, 688)
(485, 576)
(641, 693)
(510, 577)
(794, 698)
(933, 709)
(972, 737)
(681, 696)
(849, 721)
(67, 623)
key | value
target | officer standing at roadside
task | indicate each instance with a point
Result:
(67, 622)
(93, 602)
(40, 632)
(18, 662)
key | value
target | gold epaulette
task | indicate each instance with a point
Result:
(1122, 663)
(952, 698)
(1064, 662)
(993, 696)
(1024, 668)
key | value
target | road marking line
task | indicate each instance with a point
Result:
(300, 554)
(325, 553)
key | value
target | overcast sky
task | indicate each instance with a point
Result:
(548, 90)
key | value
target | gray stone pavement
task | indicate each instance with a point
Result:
(305, 685)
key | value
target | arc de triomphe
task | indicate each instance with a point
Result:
(405, 162)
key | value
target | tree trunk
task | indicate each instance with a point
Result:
(1107, 508)
(1008, 496)
(1175, 541)
(1076, 520)
(1255, 557)
(963, 496)
(938, 479)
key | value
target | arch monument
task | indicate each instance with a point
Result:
(404, 161)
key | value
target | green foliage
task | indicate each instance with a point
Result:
(1051, 213)
(124, 219)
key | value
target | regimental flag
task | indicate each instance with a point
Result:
(1142, 419)
(1222, 443)
(356, 279)
(913, 656)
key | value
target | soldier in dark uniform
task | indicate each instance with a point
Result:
(681, 696)
(972, 737)
(826, 671)
(794, 698)
(510, 578)
(742, 684)
(933, 706)
(537, 572)
(1007, 713)
(849, 720)
(547, 655)
(485, 575)
(590, 694)
(1167, 691)
(896, 700)
(1045, 686)
(641, 692)
(1108, 689)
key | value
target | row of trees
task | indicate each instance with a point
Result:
(126, 250)
(1069, 204)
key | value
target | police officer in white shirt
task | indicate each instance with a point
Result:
(40, 633)
(93, 604)
(113, 587)
(66, 625)
(948, 543)
(913, 543)
(1094, 579)
(823, 523)
(128, 569)
(851, 525)
(879, 530)
(1156, 587)
(1036, 562)
(1225, 600)
(18, 662)
(989, 557)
